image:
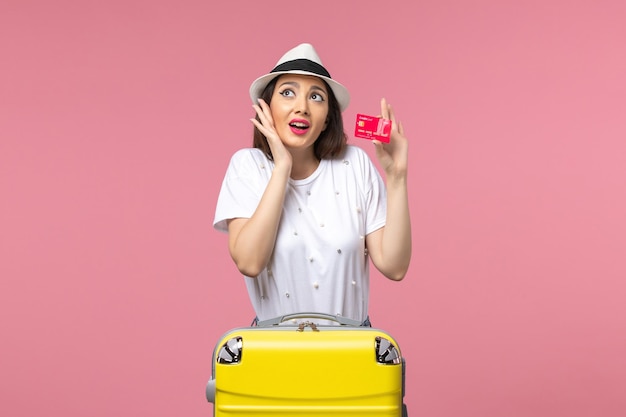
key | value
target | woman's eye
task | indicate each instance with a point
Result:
(286, 93)
(317, 97)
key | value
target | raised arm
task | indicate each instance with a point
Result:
(251, 241)
(390, 246)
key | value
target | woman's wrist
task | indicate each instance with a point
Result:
(397, 178)
(282, 171)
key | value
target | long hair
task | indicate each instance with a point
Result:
(331, 143)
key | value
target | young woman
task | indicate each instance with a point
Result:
(304, 211)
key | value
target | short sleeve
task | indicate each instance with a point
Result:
(245, 181)
(376, 197)
(372, 186)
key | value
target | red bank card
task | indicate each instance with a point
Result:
(371, 127)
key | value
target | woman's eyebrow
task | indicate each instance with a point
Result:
(293, 83)
(317, 87)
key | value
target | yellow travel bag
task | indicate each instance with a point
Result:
(307, 364)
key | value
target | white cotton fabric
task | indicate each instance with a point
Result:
(319, 263)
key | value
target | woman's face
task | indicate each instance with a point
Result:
(299, 108)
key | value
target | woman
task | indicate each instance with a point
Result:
(304, 211)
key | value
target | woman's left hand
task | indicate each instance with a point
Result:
(393, 156)
(390, 246)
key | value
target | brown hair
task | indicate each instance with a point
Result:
(331, 142)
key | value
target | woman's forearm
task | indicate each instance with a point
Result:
(394, 247)
(397, 238)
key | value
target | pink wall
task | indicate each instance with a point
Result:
(117, 120)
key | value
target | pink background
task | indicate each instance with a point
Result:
(117, 120)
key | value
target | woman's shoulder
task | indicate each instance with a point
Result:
(359, 162)
(246, 154)
(248, 161)
(355, 152)
(356, 155)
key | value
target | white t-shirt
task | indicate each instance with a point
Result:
(319, 263)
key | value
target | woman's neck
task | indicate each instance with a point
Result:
(304, 164)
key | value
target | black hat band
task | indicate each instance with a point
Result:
(302, 65)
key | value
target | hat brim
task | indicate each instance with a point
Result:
(340, 92)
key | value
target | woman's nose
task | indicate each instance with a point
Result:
(302, 105)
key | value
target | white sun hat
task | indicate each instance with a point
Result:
(301, 60)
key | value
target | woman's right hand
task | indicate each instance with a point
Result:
(265, 124)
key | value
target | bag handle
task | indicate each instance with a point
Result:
(344, 321)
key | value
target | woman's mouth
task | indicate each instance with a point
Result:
(299, 127)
